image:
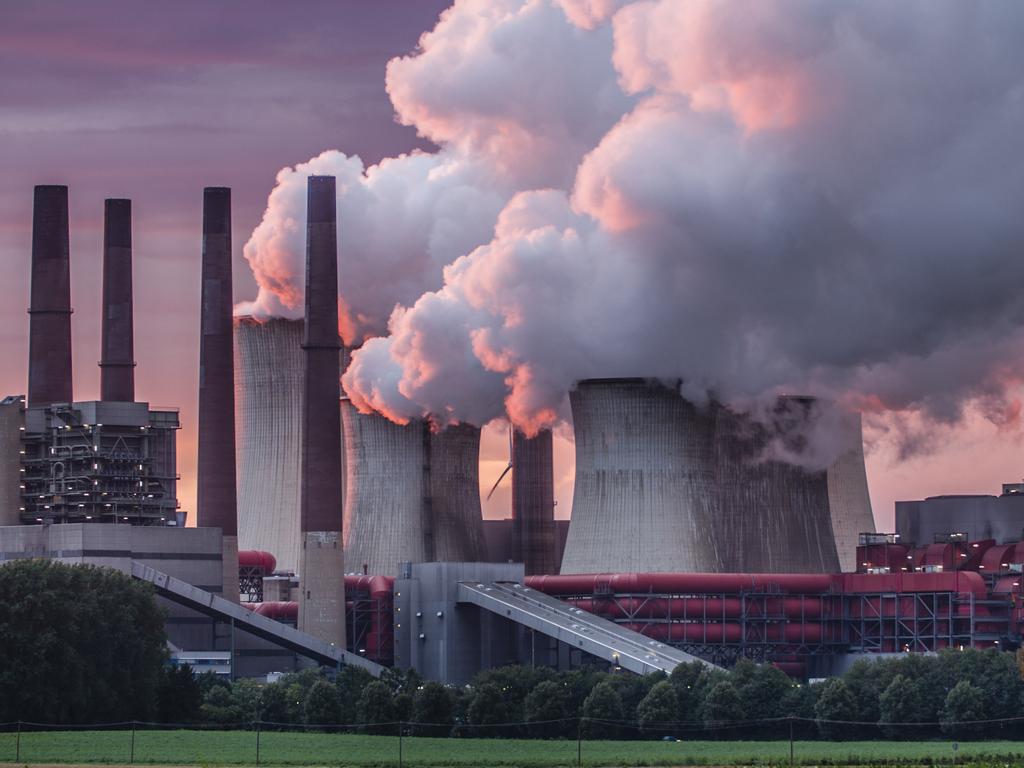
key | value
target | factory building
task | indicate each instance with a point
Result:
(664, 485)
(978, 517)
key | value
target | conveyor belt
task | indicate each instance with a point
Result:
(576, 627)
(275, 632)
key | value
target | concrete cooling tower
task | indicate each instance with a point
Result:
(268, 414)
(411, 495)
(849, 498)
(664, 486)
(773, 517)
(643, 498)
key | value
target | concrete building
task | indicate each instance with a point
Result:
(981, 517)
(664, 486)
(848, 497)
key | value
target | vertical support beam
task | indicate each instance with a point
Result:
(117, 353)
(49, 346)
(216, 505)
(322, 571)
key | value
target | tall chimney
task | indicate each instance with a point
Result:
(49, 346)
(216, 504)
(533, 502)
(322, 572)
(117, 362)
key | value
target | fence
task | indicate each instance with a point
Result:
(569, 741)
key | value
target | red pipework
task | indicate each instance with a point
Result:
(278, 611)
(254, 558)
(682, 583)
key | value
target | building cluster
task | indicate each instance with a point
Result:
(691, 536)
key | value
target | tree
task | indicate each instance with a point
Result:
(375, 707)
(602, 711)
(78, 644)
(964, 703)
(274, 705)
(350, 683)
(835, 703)
(659, 707)
(433, 707)
(219, 706)
(488, 708)
(691, 682)
(178, 696)
(322, 705)
(900, 703)
(547, 707)
(722, 706)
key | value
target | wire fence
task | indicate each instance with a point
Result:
(560, 742)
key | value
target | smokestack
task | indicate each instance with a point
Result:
(216, 504)
(49, 346)
(322, 607)
(533, 502)
(117, 362)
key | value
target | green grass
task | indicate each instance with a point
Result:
(190, 747)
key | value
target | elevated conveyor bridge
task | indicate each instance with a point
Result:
(575, 627)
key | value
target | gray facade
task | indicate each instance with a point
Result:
(848, 496)
(12, 422)
(980, 517)
(442, 639)
(268, 415)
(665, 486)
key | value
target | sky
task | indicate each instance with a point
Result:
(154, 102)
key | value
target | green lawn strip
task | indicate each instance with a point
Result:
(198, 747)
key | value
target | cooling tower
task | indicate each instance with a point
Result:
(454, 465)
(644, 492)
(848, 497)
(117, 354)
(49, 346)
(216, 505)
(410, 495)
(533, 502)
(268, 417)
(664, 486)
(773, 517)
(387, 516)
(321, 564)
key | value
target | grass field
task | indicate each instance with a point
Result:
(326, 749)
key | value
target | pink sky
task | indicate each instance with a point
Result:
(155, 102)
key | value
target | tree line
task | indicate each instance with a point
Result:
(85, 644)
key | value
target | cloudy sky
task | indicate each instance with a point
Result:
(537, 118)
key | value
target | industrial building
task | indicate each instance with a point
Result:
(978, 517)
(688, 542)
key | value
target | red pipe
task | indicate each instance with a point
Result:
(254, 558)
(681, 583)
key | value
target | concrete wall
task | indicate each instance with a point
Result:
(268, 418)
(457, 520)
(848, 497)
(443, 640)
(662, 485)
(503, 546)
(643, 496)
(980, 517)
(12, 420)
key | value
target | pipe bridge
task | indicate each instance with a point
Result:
(575, 627)
(183, 593)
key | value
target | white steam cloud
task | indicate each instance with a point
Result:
(802, 196)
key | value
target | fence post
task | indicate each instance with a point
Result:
(579, 742)
(400, 729)
(17, 747)
(257, 744)
(131, 757)
(790, 741)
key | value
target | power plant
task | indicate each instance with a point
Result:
(351, 539)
